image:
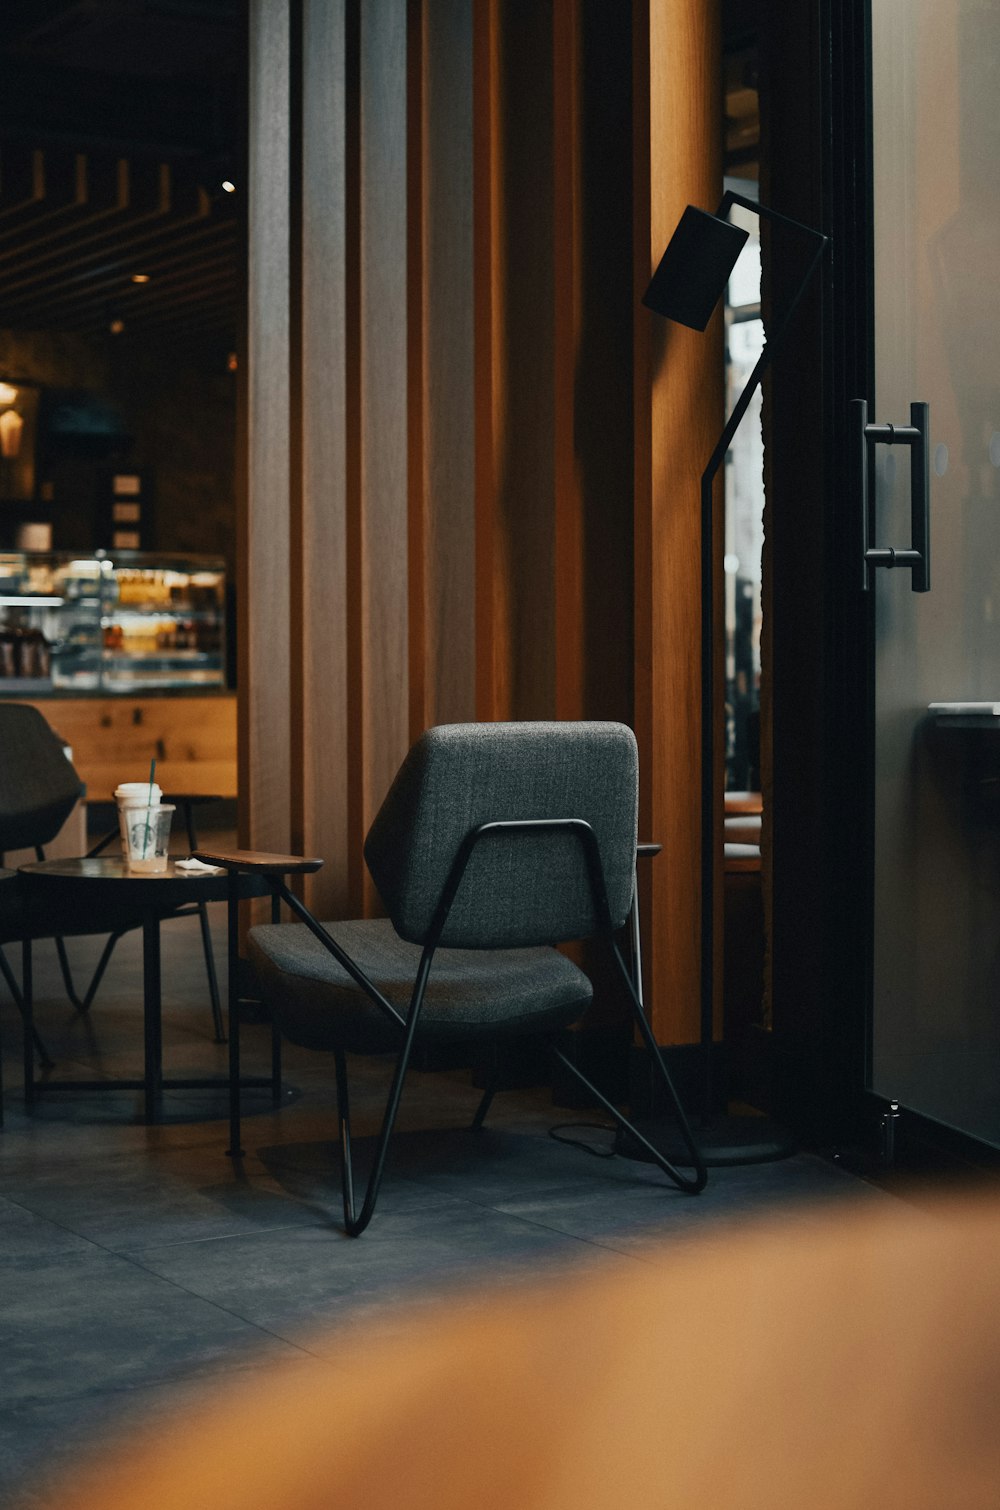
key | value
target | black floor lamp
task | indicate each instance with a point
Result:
(686, 286)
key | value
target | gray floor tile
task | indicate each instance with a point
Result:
(299, 1282)
(24, 1236)
(76, 1323)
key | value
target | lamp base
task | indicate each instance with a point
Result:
(723, 1141)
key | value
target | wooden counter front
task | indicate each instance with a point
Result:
(113, 739)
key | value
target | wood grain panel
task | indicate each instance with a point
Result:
(448, 479)
(524, 538)
(593, 439)
(514, 356)
(487, 389)
(679, 413)
(264, 560)
(418, 501)
(114, 739)
(383, 402)
(322, 807)
(570, 673)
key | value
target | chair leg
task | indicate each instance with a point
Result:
(234, 1150)
(213, 983)
(683, 1182)
(344, 1141)
(356, 1222)
(44, 1058)
(275, 1063)
(27, 991)
(85, 1004)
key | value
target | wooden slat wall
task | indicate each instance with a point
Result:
(320, 803)
(678, 417)
(488, 485)
(447, 670)
(382, 663)
(263, 554)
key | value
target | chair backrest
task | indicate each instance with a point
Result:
(38, 786)
(519, 889)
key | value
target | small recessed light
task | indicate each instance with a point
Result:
(140, 277)
(229, 186)
(116, 327)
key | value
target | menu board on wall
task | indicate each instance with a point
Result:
(128, 523)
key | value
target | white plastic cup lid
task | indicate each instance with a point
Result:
(137, 791)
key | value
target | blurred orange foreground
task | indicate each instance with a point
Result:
(847, 1358)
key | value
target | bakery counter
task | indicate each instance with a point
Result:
(113, 739)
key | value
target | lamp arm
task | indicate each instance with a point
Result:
(764, 212)
(707, 1004)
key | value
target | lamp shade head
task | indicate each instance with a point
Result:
(694, 269)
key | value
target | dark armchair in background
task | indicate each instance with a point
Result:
(38, 790)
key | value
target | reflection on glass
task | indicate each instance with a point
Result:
(936, 1027)
(744, 518)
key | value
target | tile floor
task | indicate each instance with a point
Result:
(138, 1262)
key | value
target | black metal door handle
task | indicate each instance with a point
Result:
(864, 438)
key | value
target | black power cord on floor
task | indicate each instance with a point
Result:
(598, 1153)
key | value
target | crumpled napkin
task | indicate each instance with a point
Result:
(199, 868)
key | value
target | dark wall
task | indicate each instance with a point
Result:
(174, 411)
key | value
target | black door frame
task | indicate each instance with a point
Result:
(815, 102)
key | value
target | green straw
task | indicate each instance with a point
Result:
(149, 806)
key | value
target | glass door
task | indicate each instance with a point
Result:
(936, 131)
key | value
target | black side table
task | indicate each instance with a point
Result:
(107, 887)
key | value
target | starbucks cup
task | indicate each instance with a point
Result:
(133, 799)
(148, 838)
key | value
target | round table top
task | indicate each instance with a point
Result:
(163, 887)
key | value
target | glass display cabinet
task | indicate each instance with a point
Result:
(121, 622)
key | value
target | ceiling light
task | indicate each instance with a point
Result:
(140, 277)
(116, 326)
(229, 186)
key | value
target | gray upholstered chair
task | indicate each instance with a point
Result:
(494, 843)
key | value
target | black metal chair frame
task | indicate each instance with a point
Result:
(356, 1221)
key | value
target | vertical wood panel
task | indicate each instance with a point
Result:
(354, 494)
(514, 360)
(679, 413)
(486, 311)
(264, 756)
(419, 502)
(568, 585)
(592, 420)
(322, 806)
(383, 417)
(525, 480)
(447, 378)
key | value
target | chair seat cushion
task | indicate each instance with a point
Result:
(471, 993)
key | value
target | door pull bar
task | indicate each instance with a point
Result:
(864, 438)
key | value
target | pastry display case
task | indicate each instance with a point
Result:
(110, 623)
